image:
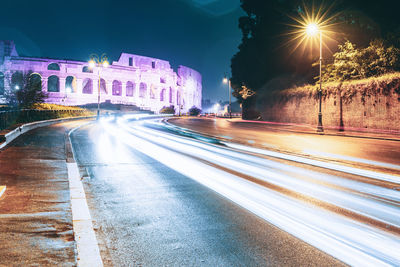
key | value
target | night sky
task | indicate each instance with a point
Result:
(201, 34)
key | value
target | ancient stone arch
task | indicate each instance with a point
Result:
(142, 90)
(35, 80)
(117, 87)
(70, 84)
(53, 84)
(163, 93)
(53, 66)
(170, 95)
(87, 69)
(17, 80)
(130, 88)
(87, 86)
(103, 86)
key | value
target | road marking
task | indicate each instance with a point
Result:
(354, 159)
(85, 237)
(88, 249)
(2, 189)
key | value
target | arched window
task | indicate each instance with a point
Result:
(70, 84)
(35, 81)
(178, 98)
(1, 83)
(17, 80)
(87, 69)
(53, 84)
(87, 86)
(103, 86)
(142, 90)
(130, 88)
(116, 88)
(53, 66)
(170, 95)
(162, 94)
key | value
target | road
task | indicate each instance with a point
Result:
(159, 198)
(284, 138)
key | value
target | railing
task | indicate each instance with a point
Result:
(8, 118)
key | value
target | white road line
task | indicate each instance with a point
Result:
(85, 237)
(88, 250)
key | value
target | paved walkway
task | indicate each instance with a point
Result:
(303, 128)
(35, 211)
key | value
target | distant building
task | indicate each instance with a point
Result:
(148, 83)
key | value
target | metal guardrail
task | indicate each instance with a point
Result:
(7, 118)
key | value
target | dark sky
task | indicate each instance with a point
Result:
(201, 34)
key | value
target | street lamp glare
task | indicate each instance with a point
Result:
(92, 64)
(312, 29)
(106, 64)
(225, 80)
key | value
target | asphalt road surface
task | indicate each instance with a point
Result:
(159, 198)
(285, 138)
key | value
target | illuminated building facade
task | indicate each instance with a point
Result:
(146, 82)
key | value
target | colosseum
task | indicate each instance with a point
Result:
(146, 82)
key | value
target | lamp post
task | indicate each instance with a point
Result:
(99, 62)
(227, 80)
(312, 29)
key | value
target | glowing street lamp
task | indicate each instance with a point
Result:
(100, 62)
(228, 81)
(312, 29)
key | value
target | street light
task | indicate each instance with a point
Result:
(228, 81)
(100, 62)
(312, 30)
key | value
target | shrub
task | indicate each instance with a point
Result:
(194, 111)
(167, 110)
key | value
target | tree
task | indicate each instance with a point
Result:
(25, 90)
(351, 63)
(264, 54)
(194, 111)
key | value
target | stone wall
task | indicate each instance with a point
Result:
(372, 104)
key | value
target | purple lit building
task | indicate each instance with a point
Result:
(148, 83)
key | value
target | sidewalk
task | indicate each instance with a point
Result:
(308, 129)
(35, 211)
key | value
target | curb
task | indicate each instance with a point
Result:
(10, 136)
(2, 189)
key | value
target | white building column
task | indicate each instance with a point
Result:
(123, 89)
(136, 92)
(79, 86)
(44, 84)
(109, 87)
(62, 85)
(96, 86)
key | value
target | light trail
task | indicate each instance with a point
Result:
(352, 241)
